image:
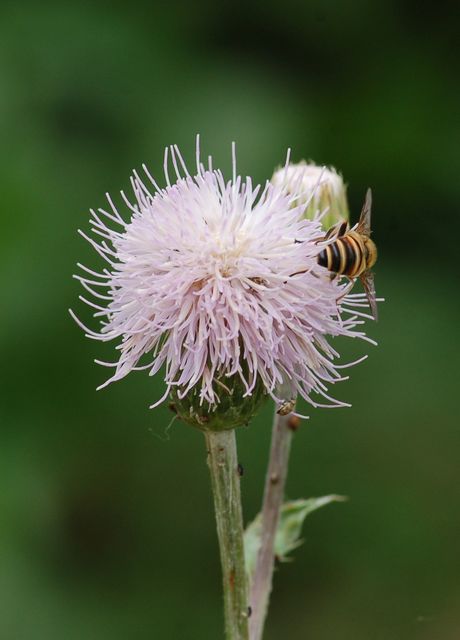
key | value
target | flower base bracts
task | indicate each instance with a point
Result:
(233, 409)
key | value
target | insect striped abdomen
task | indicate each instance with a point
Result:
(357, 263)
(352, 253)
(344, 256)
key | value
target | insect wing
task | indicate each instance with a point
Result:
(367, 280)
(364, 224)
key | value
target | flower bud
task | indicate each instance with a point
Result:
(233, 409)
(319, 188)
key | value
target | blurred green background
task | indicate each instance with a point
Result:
(106, 521)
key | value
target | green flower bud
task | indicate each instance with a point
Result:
(234, 409)
(326, 185)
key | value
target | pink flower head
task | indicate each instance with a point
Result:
(213, 278)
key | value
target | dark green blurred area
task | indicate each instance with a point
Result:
(106, 523)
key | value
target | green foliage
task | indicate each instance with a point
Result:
(292, 517)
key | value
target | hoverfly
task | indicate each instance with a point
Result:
(353, 253)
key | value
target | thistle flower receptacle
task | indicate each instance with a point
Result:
(235, 407)
(322, 191)
(218, 283)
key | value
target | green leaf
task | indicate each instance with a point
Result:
(287, 537)
(292, 517)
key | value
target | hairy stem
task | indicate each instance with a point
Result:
(225, 480)
(283, 428)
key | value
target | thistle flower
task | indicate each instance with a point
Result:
(322, 191)
(218, 282)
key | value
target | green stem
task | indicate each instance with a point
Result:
(225, 481)
(283, 427)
